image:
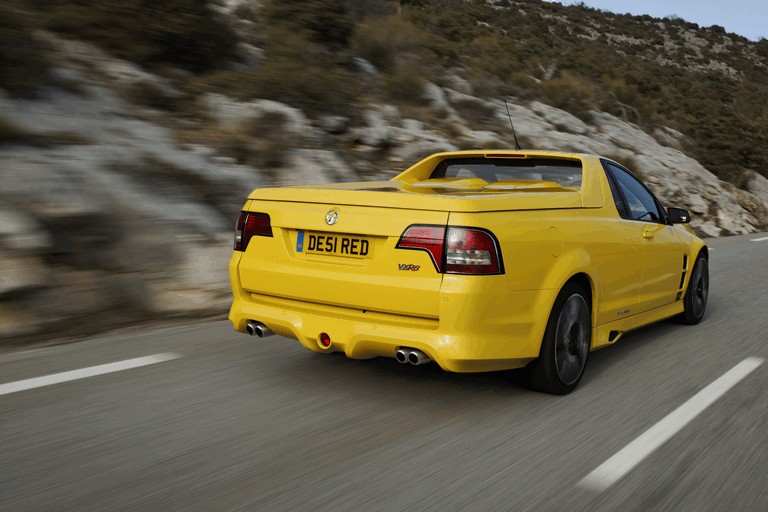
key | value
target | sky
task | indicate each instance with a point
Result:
(748, 18)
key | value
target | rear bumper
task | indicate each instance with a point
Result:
(482, 326)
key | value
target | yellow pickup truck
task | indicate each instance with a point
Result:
(476, 260)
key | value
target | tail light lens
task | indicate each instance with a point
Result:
(250, 224)
(471, 251)
(456, 250)
(425, 238)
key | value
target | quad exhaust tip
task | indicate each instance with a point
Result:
(413, 356)
(255, 328)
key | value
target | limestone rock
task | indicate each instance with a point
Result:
(21, 232)
(376, 132)
(306, 166)
(333, 124)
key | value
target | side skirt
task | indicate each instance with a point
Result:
(608, 334)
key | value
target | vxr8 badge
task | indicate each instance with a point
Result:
(408, 266)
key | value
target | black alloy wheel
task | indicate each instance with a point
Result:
(566, 343)
(695, 301)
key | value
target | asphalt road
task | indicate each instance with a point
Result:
(230, 422)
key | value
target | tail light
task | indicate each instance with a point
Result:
(425, 238)
(455, 250)
(471, 251)
(250, 224)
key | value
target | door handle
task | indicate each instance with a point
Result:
(647, 233)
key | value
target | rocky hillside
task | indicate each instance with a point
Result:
(122, 177)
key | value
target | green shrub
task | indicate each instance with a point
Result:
(570, 92)
(311, 86)
(152, 95)
(295, 70)
(184, 33)
(385, 41)
(328, 22)
(405, 84)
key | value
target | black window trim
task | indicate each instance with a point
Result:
(664, 217)
(620, 201)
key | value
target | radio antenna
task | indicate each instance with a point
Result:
(517, 144)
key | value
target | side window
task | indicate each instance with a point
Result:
(639, 203)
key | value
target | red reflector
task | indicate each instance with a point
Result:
(251, 224)
(325, 339)
(425, 238)
(471, 251)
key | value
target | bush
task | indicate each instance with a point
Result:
(572, 93)
(405, 84)
(384, 42)
(152, 95)
(328, 22)
(311, 86)
(184, 33)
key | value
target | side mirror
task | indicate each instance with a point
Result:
(678, 216)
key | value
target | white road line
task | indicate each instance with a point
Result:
(631, 455)
(82, 373)
(763, 239)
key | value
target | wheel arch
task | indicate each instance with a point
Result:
(698, 250)
(585, 282)
(575, 266)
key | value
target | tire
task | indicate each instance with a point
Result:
(695, 301)
(566, 343)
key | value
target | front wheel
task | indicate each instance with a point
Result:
(566, 343)
(695, 301)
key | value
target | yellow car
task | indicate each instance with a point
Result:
(476, 260)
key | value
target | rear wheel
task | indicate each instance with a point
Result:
(566, 343)
(695, 301)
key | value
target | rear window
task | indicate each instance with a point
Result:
(565, 172)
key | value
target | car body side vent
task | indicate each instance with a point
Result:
(682, 276)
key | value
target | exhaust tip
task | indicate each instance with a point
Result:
(255, 328)
(417, 357)
(402, 355)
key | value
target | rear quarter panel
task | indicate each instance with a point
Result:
(544, 249)
(541, 251)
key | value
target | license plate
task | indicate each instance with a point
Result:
(334, 245)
